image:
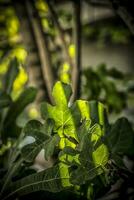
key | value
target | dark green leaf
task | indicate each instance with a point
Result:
(34, 140)
(5, 100)
(82, 174)
(10, 76)
(49, 146)
(27, 97)
(120, 140)
(54, 179)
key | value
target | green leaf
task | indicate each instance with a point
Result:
(11, 171)
(115, 73)
(10, 76)
(54, 179)
(120, 140)
(100, 156)
(5, 100)
(69, 155)
(50, 146)
(34, 141)
(94, 111)
(70, 151)
(84, 128)
(91, 158)
(67, 118)
(36, 126)
(38, 136)
(98, 113)
(82, 174)
(89, 135)
(92, 164)
(16, 108)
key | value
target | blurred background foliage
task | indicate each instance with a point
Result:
(111, 86)
(105, 33)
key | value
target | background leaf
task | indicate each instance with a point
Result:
(27, 97)
(120, 140)
(11, 74)
(5, 100)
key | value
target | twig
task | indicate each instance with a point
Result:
(42, 45)
(76, 79)
(121, 10)
(125, 15)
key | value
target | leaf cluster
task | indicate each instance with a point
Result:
(89, 152)
(106, 85)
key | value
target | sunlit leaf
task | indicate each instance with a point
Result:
(72, 50)
(20, 80)
(66, 118)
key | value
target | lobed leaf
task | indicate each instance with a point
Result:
(67, 118)
(38, 136)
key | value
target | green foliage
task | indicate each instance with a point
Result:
(121, 138)
(107, 86)
(13, 107)
(107, 32)
(42, 135)
(27, 97)
(49, 180)
(86, 148)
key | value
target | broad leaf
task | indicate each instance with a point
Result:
(83, 129)
(120, 140)
(54, 179)
(82, 174)
(38, 136)
(67, 118)
(93, 159)
(100, 156)
(50, 146)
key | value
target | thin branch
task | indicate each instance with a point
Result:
(76, 72)
(43, 50)
(125, 15)
(121, 10)
(61, 32)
